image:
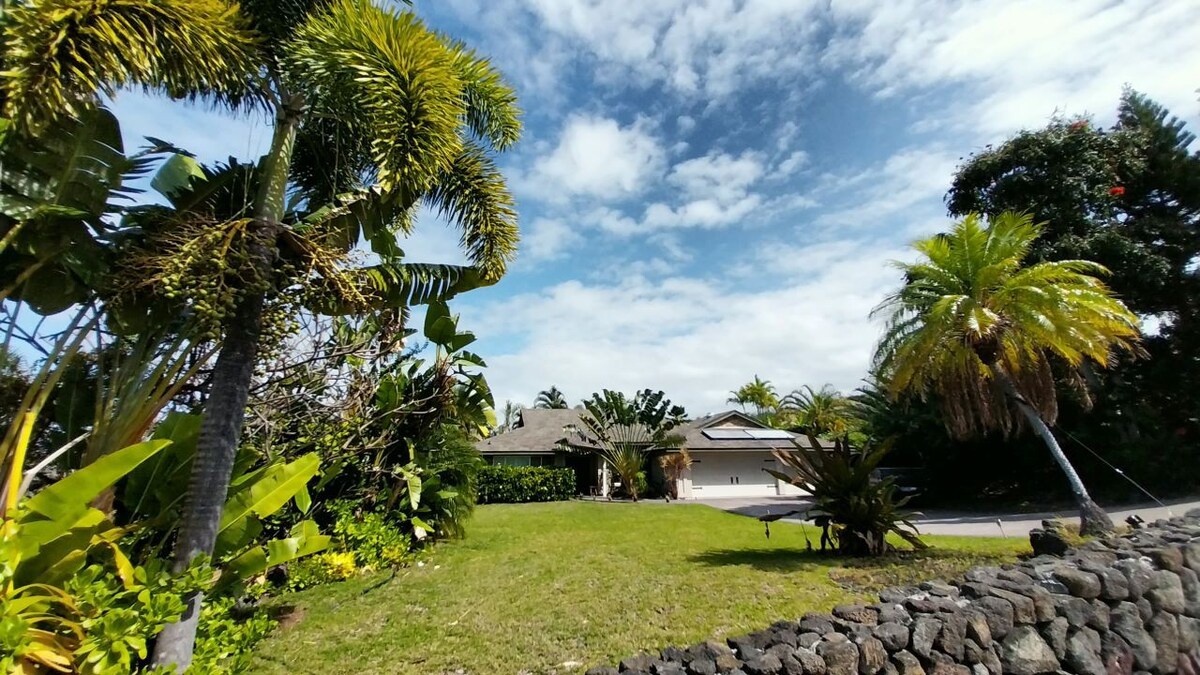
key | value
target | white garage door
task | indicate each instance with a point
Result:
(732, 474)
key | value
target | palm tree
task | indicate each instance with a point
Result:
(823, 412)
(758, 393)
(372, 113)
(979, 330)
(551, 398)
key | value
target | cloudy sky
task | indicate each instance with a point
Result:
(712, 189)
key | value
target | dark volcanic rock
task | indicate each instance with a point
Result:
(871, 656)
(767, 664)
(1127, 622)
(841, 658)
(1081, 584)
(1024, 611)
(1167, 594)
(925, 630)
(1113, 585)
(907, 664)
(999, 615)
(1164, 630)
(1077, 611)
(1048, 542)
(812, 662)
(857, 614)
(1083, 652)
(816, 623)
(1024, 652)
(1055, 634)
(894, 636)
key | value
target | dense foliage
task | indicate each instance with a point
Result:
(622, 431)
(233, 259)
(1127, 197)
(857, 513)
(498, 484)
(980, 329)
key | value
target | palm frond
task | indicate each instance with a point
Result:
(472, 193)
(970, 306)
(62, 55)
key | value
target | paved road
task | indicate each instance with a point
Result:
(958, 522)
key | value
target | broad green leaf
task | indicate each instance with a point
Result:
(421, 529)
(271, 491)
(413, 479)
(67, 500)
(176, 175)
(303, 500)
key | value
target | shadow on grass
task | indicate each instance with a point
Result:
(858, 573)
(770, 560)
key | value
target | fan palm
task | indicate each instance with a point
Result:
(976, 328)
(373, 112)
(551, 398)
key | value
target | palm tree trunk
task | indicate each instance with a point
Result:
(1092, 519)
(225, 409)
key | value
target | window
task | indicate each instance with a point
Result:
(523, 460)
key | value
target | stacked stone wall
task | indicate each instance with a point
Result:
(1121, 605)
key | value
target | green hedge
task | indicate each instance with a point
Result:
(519, 484)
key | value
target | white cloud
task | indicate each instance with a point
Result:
(598, 157)
(906, 186)
(1020, 61)
(697, 338)
(685, 123)
(793, 162)
(549, 239)
(718, 175)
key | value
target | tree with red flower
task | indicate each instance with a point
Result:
(1116, 191)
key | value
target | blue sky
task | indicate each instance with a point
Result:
(712, 189)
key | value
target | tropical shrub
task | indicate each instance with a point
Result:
(373, 539)
(520, 484)
(623, 430)
(98, 621)
(226, 636)
(323, 568)
(674, 464)
(857, 511)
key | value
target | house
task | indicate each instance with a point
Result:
(729, 452)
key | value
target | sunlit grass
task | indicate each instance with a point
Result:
(539, 585)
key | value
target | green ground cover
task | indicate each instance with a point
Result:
(535, 586)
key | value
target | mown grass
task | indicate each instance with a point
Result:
(536, 586)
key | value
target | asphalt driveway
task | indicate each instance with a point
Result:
(935, 521)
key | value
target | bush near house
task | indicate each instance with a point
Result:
(520, 484)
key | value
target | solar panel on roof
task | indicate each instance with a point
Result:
(727, 434)
(769, 434)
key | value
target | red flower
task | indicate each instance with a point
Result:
(1076, 126)
(1116, 191)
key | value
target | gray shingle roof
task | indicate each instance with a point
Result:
(541, 430)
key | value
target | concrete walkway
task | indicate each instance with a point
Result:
(960, 523)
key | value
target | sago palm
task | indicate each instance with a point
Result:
(979, 330)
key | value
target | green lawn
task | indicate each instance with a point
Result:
(537, 585)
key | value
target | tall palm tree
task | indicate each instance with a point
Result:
(823, 412)
(758, 393)
(979, 330)
(372, 113)
(551, 398)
